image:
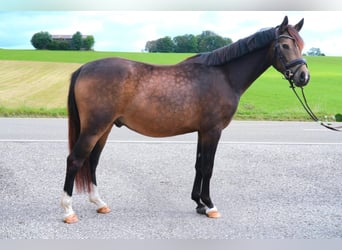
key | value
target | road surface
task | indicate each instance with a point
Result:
(272, 180)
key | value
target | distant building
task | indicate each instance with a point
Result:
(65, 41)
(67, 38)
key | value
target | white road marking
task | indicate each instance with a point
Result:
(317, 129)
(176, 142)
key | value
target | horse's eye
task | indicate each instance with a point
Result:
(285, 46)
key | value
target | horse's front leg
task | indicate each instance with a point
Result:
(206, 149)
(197, 187)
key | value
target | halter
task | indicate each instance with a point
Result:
(287, 66)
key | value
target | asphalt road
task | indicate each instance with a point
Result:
(272, 180)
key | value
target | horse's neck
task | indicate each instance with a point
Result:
(244, 71)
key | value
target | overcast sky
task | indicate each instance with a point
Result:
(130, 30)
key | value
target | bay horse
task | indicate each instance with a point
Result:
(199, 94)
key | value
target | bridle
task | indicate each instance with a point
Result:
(289, 74)
(288, 71)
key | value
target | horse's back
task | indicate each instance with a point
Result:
(107, 68)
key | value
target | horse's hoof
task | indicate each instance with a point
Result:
(103, 210)
(213, 214)
(71, 219)
(201, 210)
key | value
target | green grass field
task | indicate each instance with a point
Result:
(35, 83)
(86, 56)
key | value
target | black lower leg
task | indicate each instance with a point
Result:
(72, 167)
(69, 183)
(208, 149)
(205, 195)
(196, 193)
(95, 155)
(197, 188)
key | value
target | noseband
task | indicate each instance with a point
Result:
(287, 66)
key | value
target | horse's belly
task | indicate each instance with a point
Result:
(161, 125)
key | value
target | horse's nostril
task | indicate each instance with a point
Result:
(304, 78)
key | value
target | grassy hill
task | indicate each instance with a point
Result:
(35, 83)
(86, 56)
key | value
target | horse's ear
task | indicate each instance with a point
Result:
(299, 25)
(284, 24)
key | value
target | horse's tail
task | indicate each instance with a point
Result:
(83, 176)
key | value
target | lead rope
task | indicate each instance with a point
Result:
(309, 111)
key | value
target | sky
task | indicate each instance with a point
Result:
(128, 31)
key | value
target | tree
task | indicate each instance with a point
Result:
(88, 42)
(151, 46)
(209, 41)
(315, 52)
(77, 41)
(164, 44)
(58, 45)
(41, 40)
(185, 44)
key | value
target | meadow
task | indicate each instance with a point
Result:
(35, 83)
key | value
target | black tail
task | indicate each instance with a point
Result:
(83, 177)
(73, 117)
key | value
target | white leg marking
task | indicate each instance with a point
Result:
(95, 198)
(67, 205)
(212, 212)
(208, 210)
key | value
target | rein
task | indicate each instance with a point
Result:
(288, 74)
(308, 109)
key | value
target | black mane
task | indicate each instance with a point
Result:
(238, 49)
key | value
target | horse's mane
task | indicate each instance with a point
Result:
(235, 50)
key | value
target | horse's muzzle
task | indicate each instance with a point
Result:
(301, 76)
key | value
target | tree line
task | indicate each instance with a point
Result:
(314, 52)
(188, 43)
(44, 40)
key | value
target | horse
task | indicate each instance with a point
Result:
(200, 94)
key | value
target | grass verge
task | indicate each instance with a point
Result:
(35, 84)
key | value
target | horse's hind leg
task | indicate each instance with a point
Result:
(94, 196)
(77, 161)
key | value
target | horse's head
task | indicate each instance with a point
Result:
(287, 54)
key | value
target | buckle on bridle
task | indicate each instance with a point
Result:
(288, 74)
